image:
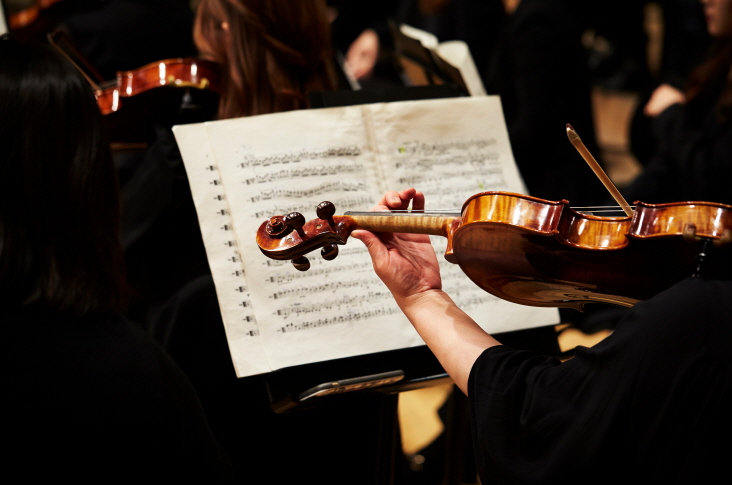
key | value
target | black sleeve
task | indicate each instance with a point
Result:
(648, 400)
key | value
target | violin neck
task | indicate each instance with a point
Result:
(412, 223)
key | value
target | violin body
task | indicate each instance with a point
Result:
(539, 253)
(178, 73)
(139, 98)
(542, 253)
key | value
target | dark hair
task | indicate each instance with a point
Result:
(59, 202)
(272, 53)
(712, 80)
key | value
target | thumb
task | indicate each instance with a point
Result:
(371, 241)
(366, 237)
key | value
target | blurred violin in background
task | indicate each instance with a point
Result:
(161, 89)
(24, 13)
(537, 252)
(33, 19)
(176, 73)
(171, 91)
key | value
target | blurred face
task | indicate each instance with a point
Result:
(719, 17)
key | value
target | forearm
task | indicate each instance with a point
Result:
(456, 339)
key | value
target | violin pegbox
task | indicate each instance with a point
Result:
(290, 237)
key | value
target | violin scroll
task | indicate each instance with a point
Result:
(291, 237)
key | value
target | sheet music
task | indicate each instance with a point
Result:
(3, 22)
(285, 162)
(222, 251)
(452, 56)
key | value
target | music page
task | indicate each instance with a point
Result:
(222, 250)
(276, 164)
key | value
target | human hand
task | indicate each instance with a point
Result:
(662, 97)
(406, 263)
(362, 54)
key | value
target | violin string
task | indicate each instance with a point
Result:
(407, 212)
(602, 207)
(456, 212)
(63, 53)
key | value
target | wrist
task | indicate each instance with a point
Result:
(424, 302)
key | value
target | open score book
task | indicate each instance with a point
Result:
(245, 170)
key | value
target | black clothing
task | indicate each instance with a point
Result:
(159, 223)
(121, 35)
(94, 399)
(685, 39)
(693, 160)
(650, 403)
(540, 71)
(622, 62)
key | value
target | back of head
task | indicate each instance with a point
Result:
(272, 52)
(59, 244)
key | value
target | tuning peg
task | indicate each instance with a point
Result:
(301, 263)
(329, 252)
(325, 211)
(295, 220)
(276, 226)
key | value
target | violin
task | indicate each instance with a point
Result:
(179, 73)
(30, 20)
(537, 252)
(18, 19)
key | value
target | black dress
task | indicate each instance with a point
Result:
(95, 400)
(539, 68)
(650, 403)
(693, 160)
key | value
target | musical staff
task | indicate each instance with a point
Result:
(449, 149)
(251, 160)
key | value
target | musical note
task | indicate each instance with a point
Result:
(290, 162)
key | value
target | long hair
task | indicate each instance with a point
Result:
(272, 52)
(59, 206)
(711, 81)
